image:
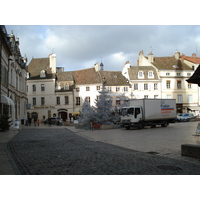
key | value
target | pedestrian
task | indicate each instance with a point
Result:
(38, 122)
(29, 121)
(91, 125)
(35, 120)
(70, 117)
(26, 124)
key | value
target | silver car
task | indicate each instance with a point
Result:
(186, 117)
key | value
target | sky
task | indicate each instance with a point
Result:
(81, 46)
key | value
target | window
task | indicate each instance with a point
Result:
(140, 74)
(42, 87)
(58, 100)
(117, 89)
(125, 89)
(34, 101)
(178, 74)
(98, 87)
(168, 96)
(66, 86)
(109, 89)
(77, 101)
(189, 98)
(117, 101)
(189, 85)
(180, 98)
(34, 88)
(188, 74)
(168, 84)
(88, 99)
(87, 88)
(178, 84)
(42, 101)
(146, 96)
(66, 100)
(136, 86)
(167, 74)
(150, 74)
(145, 86)
(155, 86)
(77, 89)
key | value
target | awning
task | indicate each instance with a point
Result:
(75, 113)
(6, 100)
(193, 108)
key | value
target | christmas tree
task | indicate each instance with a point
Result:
(103, 109)
(86, 114)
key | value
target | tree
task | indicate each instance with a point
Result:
(86, 114)
(103, 109)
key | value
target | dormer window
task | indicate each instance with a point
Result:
(150, 74)
(67, 87)
(175, 66)
(140, 74)
(42, 74)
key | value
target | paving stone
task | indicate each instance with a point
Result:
(61, 152)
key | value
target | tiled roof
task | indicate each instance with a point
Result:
(37, 65)
(86, 76)
(113, 78)
(195, 60)
(65, 76)
(133, 72)
(168, 63)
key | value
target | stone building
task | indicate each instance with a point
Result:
(13, 77)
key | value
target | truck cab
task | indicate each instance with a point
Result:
(131, 116)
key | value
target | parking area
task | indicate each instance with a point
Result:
(159, 140)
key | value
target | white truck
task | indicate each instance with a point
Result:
(148, 112)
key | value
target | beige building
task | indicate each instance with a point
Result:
(164, 77)
(54, 92)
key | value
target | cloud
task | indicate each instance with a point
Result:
(81, 46)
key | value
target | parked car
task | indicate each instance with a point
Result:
(178, 117)
(186, 117)
(54, 121)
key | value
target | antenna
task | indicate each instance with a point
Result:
(151, 48)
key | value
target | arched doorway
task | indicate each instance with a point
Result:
(62, 113)
(34, 115)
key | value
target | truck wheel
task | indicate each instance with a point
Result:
(140, 125)
(165, 124)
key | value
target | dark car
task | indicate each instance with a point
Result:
(54, 121)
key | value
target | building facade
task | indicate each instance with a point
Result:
(53, 92)
(164, 77)
(13, 77)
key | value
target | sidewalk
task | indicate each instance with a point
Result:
(5, 163)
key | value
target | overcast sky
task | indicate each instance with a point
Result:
(78, 47)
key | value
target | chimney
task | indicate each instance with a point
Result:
(177, 55)
(96, 66)
(141, 56)
(52, 60)
(150, 57)
(127, 64)
(194, 55)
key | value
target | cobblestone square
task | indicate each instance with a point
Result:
(59, 151)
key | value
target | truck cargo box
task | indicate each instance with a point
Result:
(156, 109)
